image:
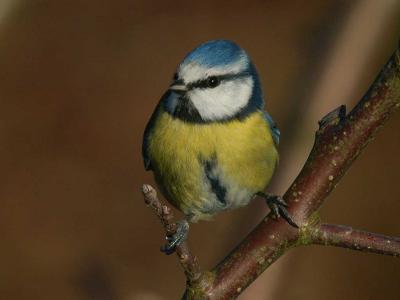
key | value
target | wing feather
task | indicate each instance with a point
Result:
(147, 136)
(274, 128)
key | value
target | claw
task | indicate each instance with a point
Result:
(278, 207)
(182, 229)
(280, 201)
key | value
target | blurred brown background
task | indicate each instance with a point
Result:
(78, 81)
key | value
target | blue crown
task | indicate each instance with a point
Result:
(223, 53)
(215, 53)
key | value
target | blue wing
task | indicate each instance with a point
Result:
(274, 129)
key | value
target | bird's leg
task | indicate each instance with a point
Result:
(174, 240)
(278, 207)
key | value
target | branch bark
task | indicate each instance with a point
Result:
(347, 237)
(338, 142)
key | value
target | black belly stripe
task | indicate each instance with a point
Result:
(217, 188)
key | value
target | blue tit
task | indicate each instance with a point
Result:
(209, 142)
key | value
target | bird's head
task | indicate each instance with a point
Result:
(215, 82)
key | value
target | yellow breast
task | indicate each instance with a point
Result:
(244, 150)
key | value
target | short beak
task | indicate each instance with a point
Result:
(178, 87)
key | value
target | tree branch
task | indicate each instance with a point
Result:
(338, 142)
(347, 237)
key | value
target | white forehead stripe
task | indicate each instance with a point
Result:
(192, 71)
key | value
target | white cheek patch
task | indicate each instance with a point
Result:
(223, 101)
(192, 71)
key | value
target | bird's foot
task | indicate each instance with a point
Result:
(182, 229)
(278, 207)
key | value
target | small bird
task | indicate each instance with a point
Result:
(209, 142)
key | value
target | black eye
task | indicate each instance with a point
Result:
(213, 81)
(175, 77)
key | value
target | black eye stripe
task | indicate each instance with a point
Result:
(202, 84)
(234, 76)
(227, 77)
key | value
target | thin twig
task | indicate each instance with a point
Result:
(187, 260)
(347, 237)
